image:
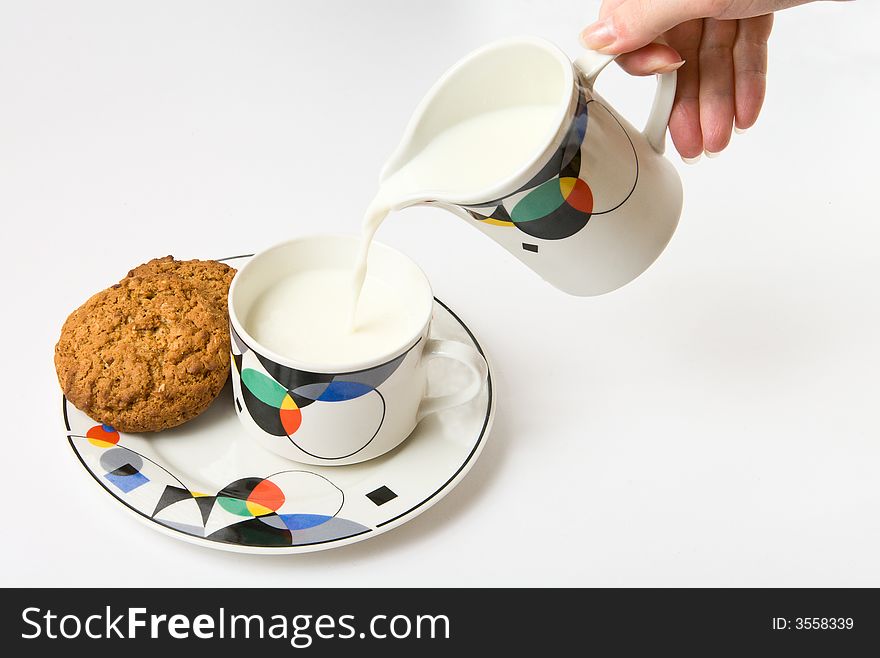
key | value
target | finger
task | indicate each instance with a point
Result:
(632, 24)
(750, 68)
(609, 6)
(684, 122)
(716, 84)
(650, 59)
(636, 23)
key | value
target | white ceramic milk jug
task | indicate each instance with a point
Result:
(597, 204)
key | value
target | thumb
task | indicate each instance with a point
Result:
(635, 23)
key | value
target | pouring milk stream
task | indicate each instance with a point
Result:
(472, 154)
(515, 140)
(351, 315)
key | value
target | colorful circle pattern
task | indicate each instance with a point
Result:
(286, 509)
(559, 202)
(277, 397)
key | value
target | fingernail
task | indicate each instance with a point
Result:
(669, 68)
(691, 161)
(710, 154)
(599, 35)
(738, 131)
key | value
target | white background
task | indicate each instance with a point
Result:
(713, 423)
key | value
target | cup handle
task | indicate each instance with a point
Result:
(450, 349)
(591, 64)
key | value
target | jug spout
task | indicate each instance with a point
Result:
(479, 86)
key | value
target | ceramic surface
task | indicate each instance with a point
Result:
(597, 206)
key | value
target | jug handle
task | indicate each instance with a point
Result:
(591, 64)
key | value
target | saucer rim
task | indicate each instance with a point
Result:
(378, 530)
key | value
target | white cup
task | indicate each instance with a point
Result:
(333, 416)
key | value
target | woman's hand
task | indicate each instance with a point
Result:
(719, 48)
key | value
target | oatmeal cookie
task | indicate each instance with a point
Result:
(151, 352)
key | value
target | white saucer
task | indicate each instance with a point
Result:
(209, 484)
